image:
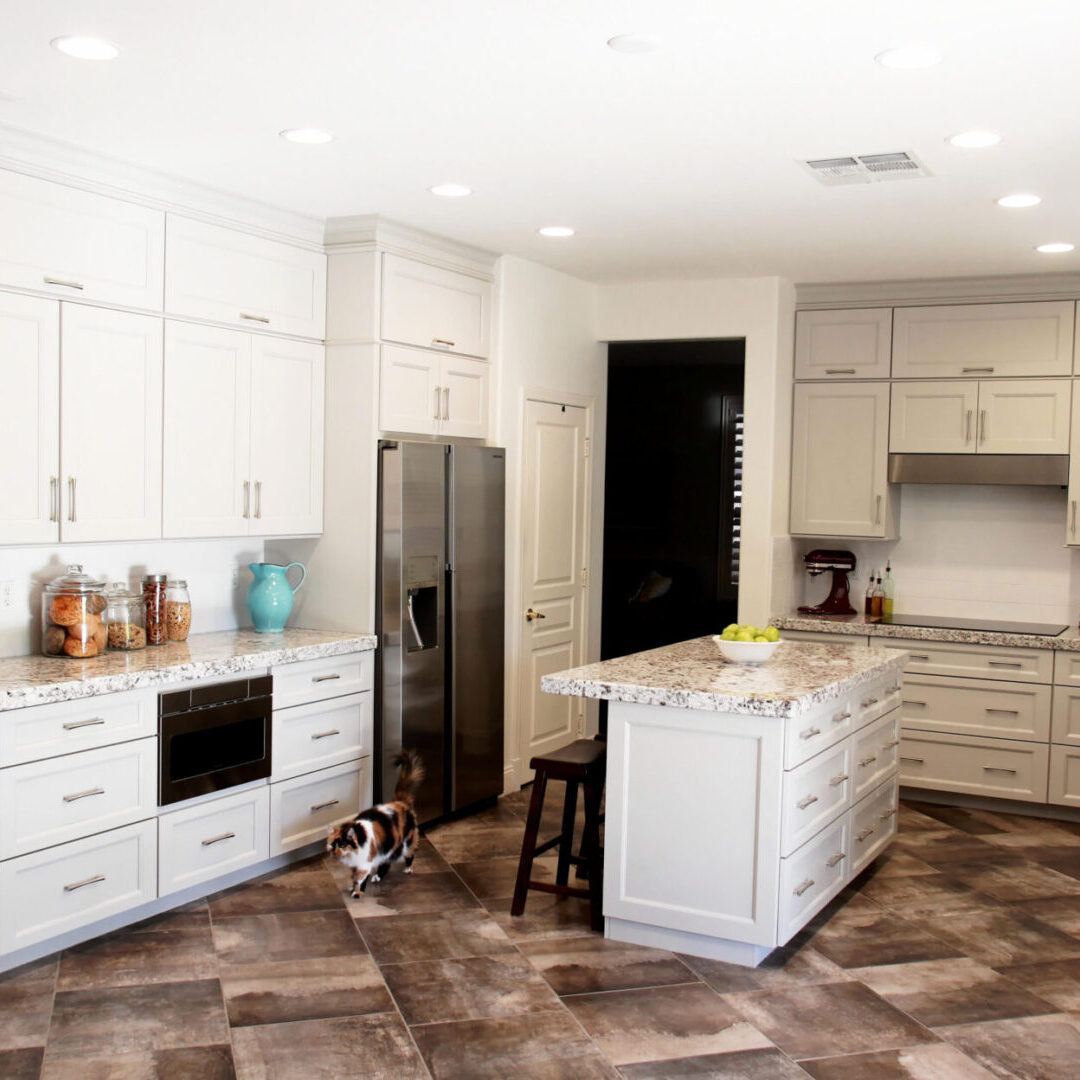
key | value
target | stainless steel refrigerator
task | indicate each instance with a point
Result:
(439, 618)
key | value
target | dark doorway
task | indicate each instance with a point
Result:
(673, 489)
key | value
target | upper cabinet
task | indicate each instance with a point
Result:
(433, 307)
(232, 277)
(843, 344)
(79, 245)
(427, 394)
(983, 340)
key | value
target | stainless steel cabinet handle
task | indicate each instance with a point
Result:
(66, 284)
(84, 794)
(802, 804)
(258, 498)
(442, 341)
(325, 678)
(919, 656)
(218, 839)
(807, 884)
(867, 832)
(324, 805)
(71, 725)
(839, 371)
(914, 760)
(834, 859)
(867, 761)
(71, 498)
(1005, 663)
(877, 509)
(255, 318)
(446, 403)
(977, 371)
(982, 425)
(1004, 712)
(890, 744)
(887, 814)
(920, 704)
(82, 884)
(967, 425)
(437, 391)
(1072, 516)
(997, 768)
(247, 498)
(839, 779)
(869, 701)
(54, 507)
(809, 733)
(839, 718)
(325, 734)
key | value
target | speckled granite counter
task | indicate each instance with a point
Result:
(1068, 641)
(37, 680)
(693, 675)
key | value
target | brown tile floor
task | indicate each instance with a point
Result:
(956, 957)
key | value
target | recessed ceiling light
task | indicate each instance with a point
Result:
(1055, 249)
(556, 230)
(307, 136)
(1019, 200)
(633, 43)
(909, 57)
(974, 140)
(450, 191)
(86, 48)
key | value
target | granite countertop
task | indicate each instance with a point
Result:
(38, 680)
(1067, 641)
(693, 675)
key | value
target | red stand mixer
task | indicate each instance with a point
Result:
(841, 563)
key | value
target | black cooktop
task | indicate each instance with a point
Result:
(948, 622)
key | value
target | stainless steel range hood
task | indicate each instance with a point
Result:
(1046, 469)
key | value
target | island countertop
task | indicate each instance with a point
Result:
(38, 680)
(693, 675)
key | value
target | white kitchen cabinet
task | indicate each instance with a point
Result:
(1001, 340)
(933, 417)
(321, 734)
(1002, 710)
(434, 307)
(853, 344)
(303, 808)
(110, 425)
(79, 245)
(30, 433)
(1065, 775)
(228, 276)
(1065, 720)
(839, 461)
(424, 393)
(1072, 525)
(1000, 662)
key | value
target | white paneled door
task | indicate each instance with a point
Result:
(554, 524)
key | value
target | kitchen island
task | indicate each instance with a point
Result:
(740, 799)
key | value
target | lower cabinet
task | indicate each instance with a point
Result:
(304, 808)
(1065, 775)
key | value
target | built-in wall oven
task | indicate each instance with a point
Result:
(213, 737)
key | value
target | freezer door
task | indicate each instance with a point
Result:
(477, 561)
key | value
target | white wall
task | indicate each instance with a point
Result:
(761, 311)
(208, 566)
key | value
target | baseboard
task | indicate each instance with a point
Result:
(999, 806)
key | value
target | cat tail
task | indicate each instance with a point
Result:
(412, 772)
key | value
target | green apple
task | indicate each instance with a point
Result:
(772, 634)
(762, 637)
(742, 635)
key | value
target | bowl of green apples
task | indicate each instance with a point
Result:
(744, 643)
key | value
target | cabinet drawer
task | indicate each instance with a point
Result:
(875, 752)
(50, 802)
(304, 808)
(963, 707)
(1067, 668)
(811, 877)
(317, 680)
(998, 768)
(43, 731)
(822, 637)
(54, 891)
(873, 824)
(974, 661)
(814, 794)
(1065, 775)
(808, 735)
(205, 841)
(1065, 718)
(310, 737)
(876, 701)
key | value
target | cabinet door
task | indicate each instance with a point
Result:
(286, 437)
(110, 428)
(410, 397)
(206, 486)
(434, 307)
(1064, 776)
(30, 433)
(843, 344)
(232, 277)
(983, 339)
(1072, 525)
(933, 418)
(1024, 416)
(839, 461)
(464, 387)
(76, 244)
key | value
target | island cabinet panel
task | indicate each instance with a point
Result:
(815, 793)
(811, 876)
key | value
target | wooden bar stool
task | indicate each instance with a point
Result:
(579, 763)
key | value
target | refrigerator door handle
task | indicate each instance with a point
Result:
(412, 622)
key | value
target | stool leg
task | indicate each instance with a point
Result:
(528, 843)
(566, 840)
(591, 844)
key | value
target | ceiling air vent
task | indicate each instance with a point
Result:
(867, 168)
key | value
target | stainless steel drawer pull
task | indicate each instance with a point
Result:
(809, 733)
(446, 403)
(837, 858)
(839, 371)
(867, 761)
(918, 656)
(66, 284)
(1005, 663)
(442, 341)
(807, 884)
(436, 414)
(255, 318)
(325, 678)
(839, 718)
(802, 804)
(967, 426)
(258, 498)
(865, 834)
(869, 701)
(326, 734)
(839, 779)
(218, 839)
(977, 371)
(247, 498)
(71, 725)
(71, 498)
(325, 805)
(82, 884)
(895, 689)
(84, 794)
(996, 768)
(920, 704)
(888, 814)
(54, 507)
(1005, 712)
(890, 744)
(914, 760)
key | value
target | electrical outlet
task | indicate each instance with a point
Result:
(7, 594)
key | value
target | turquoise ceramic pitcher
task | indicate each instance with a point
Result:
(270, 598)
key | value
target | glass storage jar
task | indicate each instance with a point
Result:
(177, 610)
(73, 621)
(126, 615)
(153, 590)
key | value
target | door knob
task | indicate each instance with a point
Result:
(530, 615)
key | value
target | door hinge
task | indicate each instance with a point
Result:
(584, 578)
(588, 445)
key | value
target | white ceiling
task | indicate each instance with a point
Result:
(680, 163)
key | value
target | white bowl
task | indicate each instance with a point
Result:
(746, 652)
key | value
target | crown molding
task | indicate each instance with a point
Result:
(969, 290)
(49, 159)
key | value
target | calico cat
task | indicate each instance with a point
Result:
(385, 834)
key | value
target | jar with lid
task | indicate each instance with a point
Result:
(73, 621)
(153, 590)
(126, 615)
(177, 610)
